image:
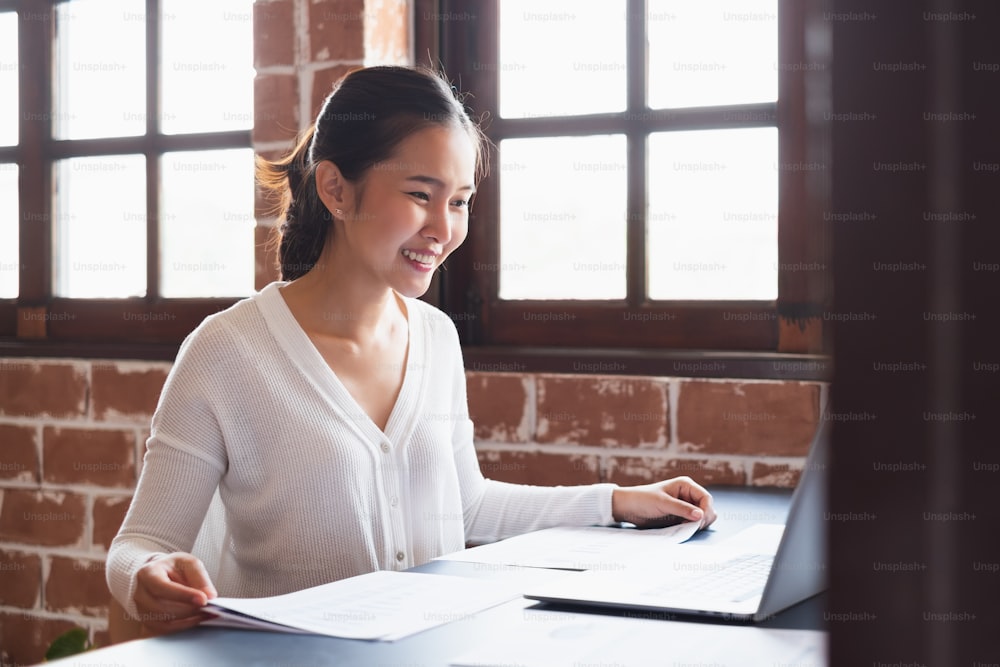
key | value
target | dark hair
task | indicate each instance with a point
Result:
(362, 121)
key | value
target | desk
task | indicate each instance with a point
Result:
(223, 647)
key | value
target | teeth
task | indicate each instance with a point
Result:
(423, 259)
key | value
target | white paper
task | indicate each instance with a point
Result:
(561, 639)
(382, 605)
(584, 548)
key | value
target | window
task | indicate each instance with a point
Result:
(126, 173)
(648, 187)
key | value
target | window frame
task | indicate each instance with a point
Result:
(37, 322)
(789, 325)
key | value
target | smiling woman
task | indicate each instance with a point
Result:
(329, 410)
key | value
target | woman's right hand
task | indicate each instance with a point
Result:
(170, 592)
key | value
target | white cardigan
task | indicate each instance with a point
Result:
(313, 490)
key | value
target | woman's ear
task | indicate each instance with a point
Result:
(335, 191)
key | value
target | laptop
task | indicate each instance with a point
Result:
(749, 577)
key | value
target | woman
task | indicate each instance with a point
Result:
(329, 410)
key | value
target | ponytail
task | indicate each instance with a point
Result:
(291, 180)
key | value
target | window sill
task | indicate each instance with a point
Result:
(591, 361)
(663, 363)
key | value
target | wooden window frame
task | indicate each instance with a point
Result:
(792, 345)
(37, 322)
(759, 335)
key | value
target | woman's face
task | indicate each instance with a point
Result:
(412, 210)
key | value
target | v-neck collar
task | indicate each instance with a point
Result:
(303, 353)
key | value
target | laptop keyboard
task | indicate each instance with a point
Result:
(737, 579)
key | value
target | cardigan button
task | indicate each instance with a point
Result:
(400, 556)
(385, 447)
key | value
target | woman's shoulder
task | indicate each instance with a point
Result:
(240, 321)
(435, 321)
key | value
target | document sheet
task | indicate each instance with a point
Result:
(584, 548)
(382, 605)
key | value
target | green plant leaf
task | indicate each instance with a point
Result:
(68, 643)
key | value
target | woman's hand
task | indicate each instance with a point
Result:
(170, 592)
(663, 503)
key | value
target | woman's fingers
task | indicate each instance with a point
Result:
(658, 504)
(170, 592)
(686, 489)
(187, 569)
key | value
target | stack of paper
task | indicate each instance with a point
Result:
(382, 605)
(587, 548)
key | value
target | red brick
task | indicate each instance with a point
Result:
(747, 418)
(25, 638)
(540, 468)
(89, 456)
(323, 82)
(30, 389)
(634, 470)
(20, 579)
(337, 30)
(109, 512)
(274, 36)
(45, 518)
(101, 638)
(276, 107)
(387, 33)
(775, 474)
(124, 390)
(18, 453)
(498, 406)
(77, 586)
(610, 411)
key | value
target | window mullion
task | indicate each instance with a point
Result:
(35, 173)
(635, 45)
(151, 151)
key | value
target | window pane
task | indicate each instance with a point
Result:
(207, 66)
(8, 231)
(207, 223)
(563, 210)
(8, 79)
(713, 214)
(560, 57)
(100, 227)
(712, 53)
(100, 69)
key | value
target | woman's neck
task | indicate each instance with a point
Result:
(334, 300)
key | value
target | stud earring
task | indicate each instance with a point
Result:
(338, 212)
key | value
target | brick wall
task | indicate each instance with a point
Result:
(71, 440)
(579, 429)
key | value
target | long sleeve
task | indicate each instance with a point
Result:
(494, 510)
(184, 461)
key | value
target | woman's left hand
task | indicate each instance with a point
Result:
(662, 503)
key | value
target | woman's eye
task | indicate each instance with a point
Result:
(423, 196)
(460, 202)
